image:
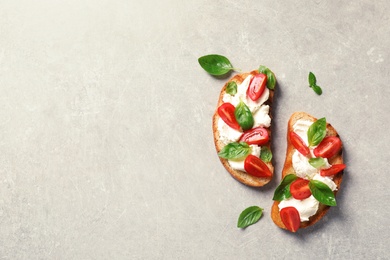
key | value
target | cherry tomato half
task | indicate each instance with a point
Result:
(258, 135)
(336, 168)
(299, 189)
(329, 146)
(257, 86)
(254, 166)
(299, 144)
(290, 218)
(226, 112)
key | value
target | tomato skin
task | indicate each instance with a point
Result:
(226, 112)
(290, 218)
(329, 146)
(299, 144)
(258, 135)
(336, 168)
(257, 86)
(254, 166)
(299, 189)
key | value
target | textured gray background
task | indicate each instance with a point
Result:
(106, 147)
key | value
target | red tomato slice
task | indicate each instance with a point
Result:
(329, 146)
(290, 218)
(254, 166)
(257, 86)
(299, 144)
(300, 189)
(258, 135)
(336, 168)
(226, 112)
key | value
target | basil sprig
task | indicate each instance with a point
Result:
(249, 216)
(235, 150)
(322, 193)
(316, 132)
(283, 190)
(231, 88)
(265, 154)
(244, 116)
(215, 64)
(271, 80)
(313, 83)
(317, 162)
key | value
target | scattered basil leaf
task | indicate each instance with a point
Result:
(283, 190)
(235, 150)
(313, 83)
(322, 193)
(317, 162)
(244, 116)
(312, 79)
(231, 88)
(215, 64)
(249, 216)
(317, 89)
(316, 132)
(265, 154)
(271, 80)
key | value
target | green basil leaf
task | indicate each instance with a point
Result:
(244, 116)
(312, 79)
(249, 216)
(316, 132)
(322, 193)
(317, 89)
(271, 80)
(235, 150)
(231, 88)
(317, 162)
(265, 154)
(283, 190)
(215, 64)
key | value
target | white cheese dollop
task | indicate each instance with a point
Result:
(226, 133)
(261, 117)
(239, 164)
(300, 128)
(306, 208)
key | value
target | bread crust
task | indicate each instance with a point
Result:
(241, 176)
(288, 168)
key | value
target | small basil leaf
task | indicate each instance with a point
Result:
(235, 150)
(316, 132)
(271, 80)
(317, 89)
(322, 193)
(312, 79)
(283, 190)
(265, 154)
(244, 116)
(317, 162)
(215, 64)
(231, 88)
(249, 216)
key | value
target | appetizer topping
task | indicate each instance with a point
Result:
(226, 112)
(316, 132)
(300, 189)
(306, 208)
(299, 144)
(256, 167)
(330, 146)
(258, 135)
(290, 218)
(334, 169)
(244, 116)
(257, 86)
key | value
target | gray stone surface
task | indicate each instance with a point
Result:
(105, 126)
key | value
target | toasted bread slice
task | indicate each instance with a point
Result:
(288, 168)
(242, 176)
